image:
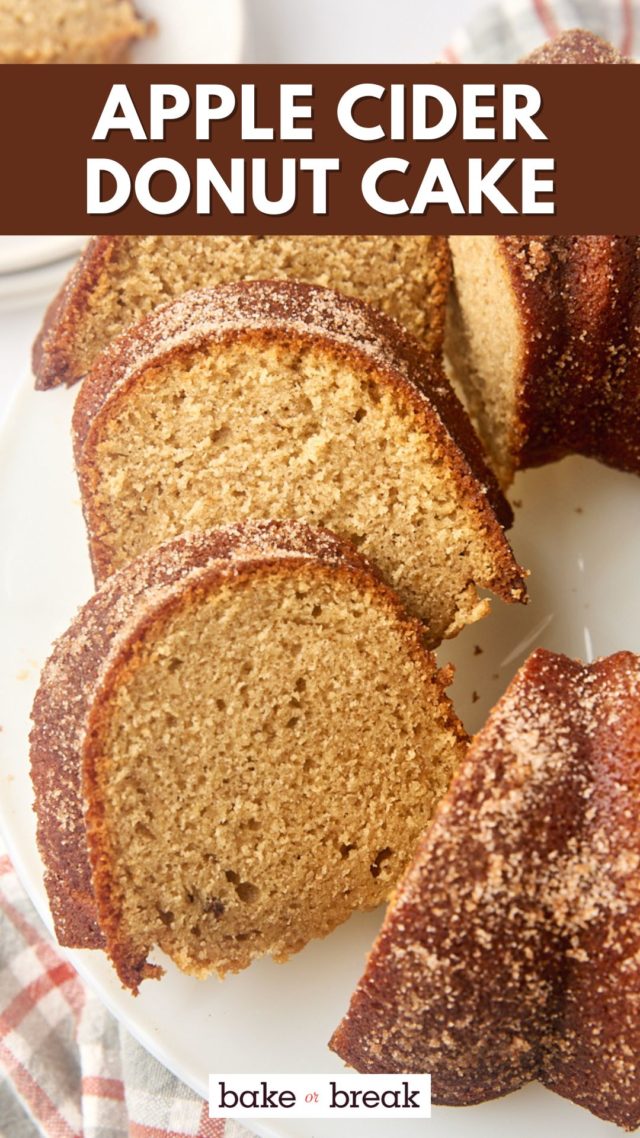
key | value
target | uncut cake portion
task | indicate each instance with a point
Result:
(279, 400)
(235, 745)
(119, 280)
(511, 949)
(68, 31)
(544, 332)
(544, 340)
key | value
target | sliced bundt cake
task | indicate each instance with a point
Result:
(544, 333)
(120, 279)
(284, 400)
(544, 340)
(235, 745)
(511, 950)
(68, 31)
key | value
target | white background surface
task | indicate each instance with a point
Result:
(352, 31)
(17, 331)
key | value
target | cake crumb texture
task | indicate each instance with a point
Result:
(236, 744)
(276, 399)
(121, 279)
(68, 31)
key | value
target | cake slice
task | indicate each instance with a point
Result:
(544, 332)
(511, 950)
(235, 745)
(278, 400)
(68, 31)
(120, 279)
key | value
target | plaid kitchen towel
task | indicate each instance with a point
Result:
(504, 32)
(70, 1071)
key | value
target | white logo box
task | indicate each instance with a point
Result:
(320, 1096)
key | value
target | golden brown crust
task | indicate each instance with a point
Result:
(511, 950)
(52, 356)
(579, 391)
(55, 357)
(289, 312)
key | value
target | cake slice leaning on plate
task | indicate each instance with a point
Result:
(120, 279)
(235, 746)
(282, 400)
(511, 950)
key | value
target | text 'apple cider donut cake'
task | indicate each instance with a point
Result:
(511, 950)
(278, 400)
(235, 745)
(120, 279)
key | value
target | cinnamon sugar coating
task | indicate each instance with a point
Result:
(544, 331)
(580, 307)
(511, 950)
(545, 338)
(577, 45)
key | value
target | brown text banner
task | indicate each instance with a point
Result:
(319, 149)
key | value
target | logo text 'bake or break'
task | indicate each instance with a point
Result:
(320, 1096)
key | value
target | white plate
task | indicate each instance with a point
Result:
(20, 253)
(34, 286)
(191, 31)
(578, 529)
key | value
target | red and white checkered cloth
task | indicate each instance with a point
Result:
(506, 30)
(70, 1070)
